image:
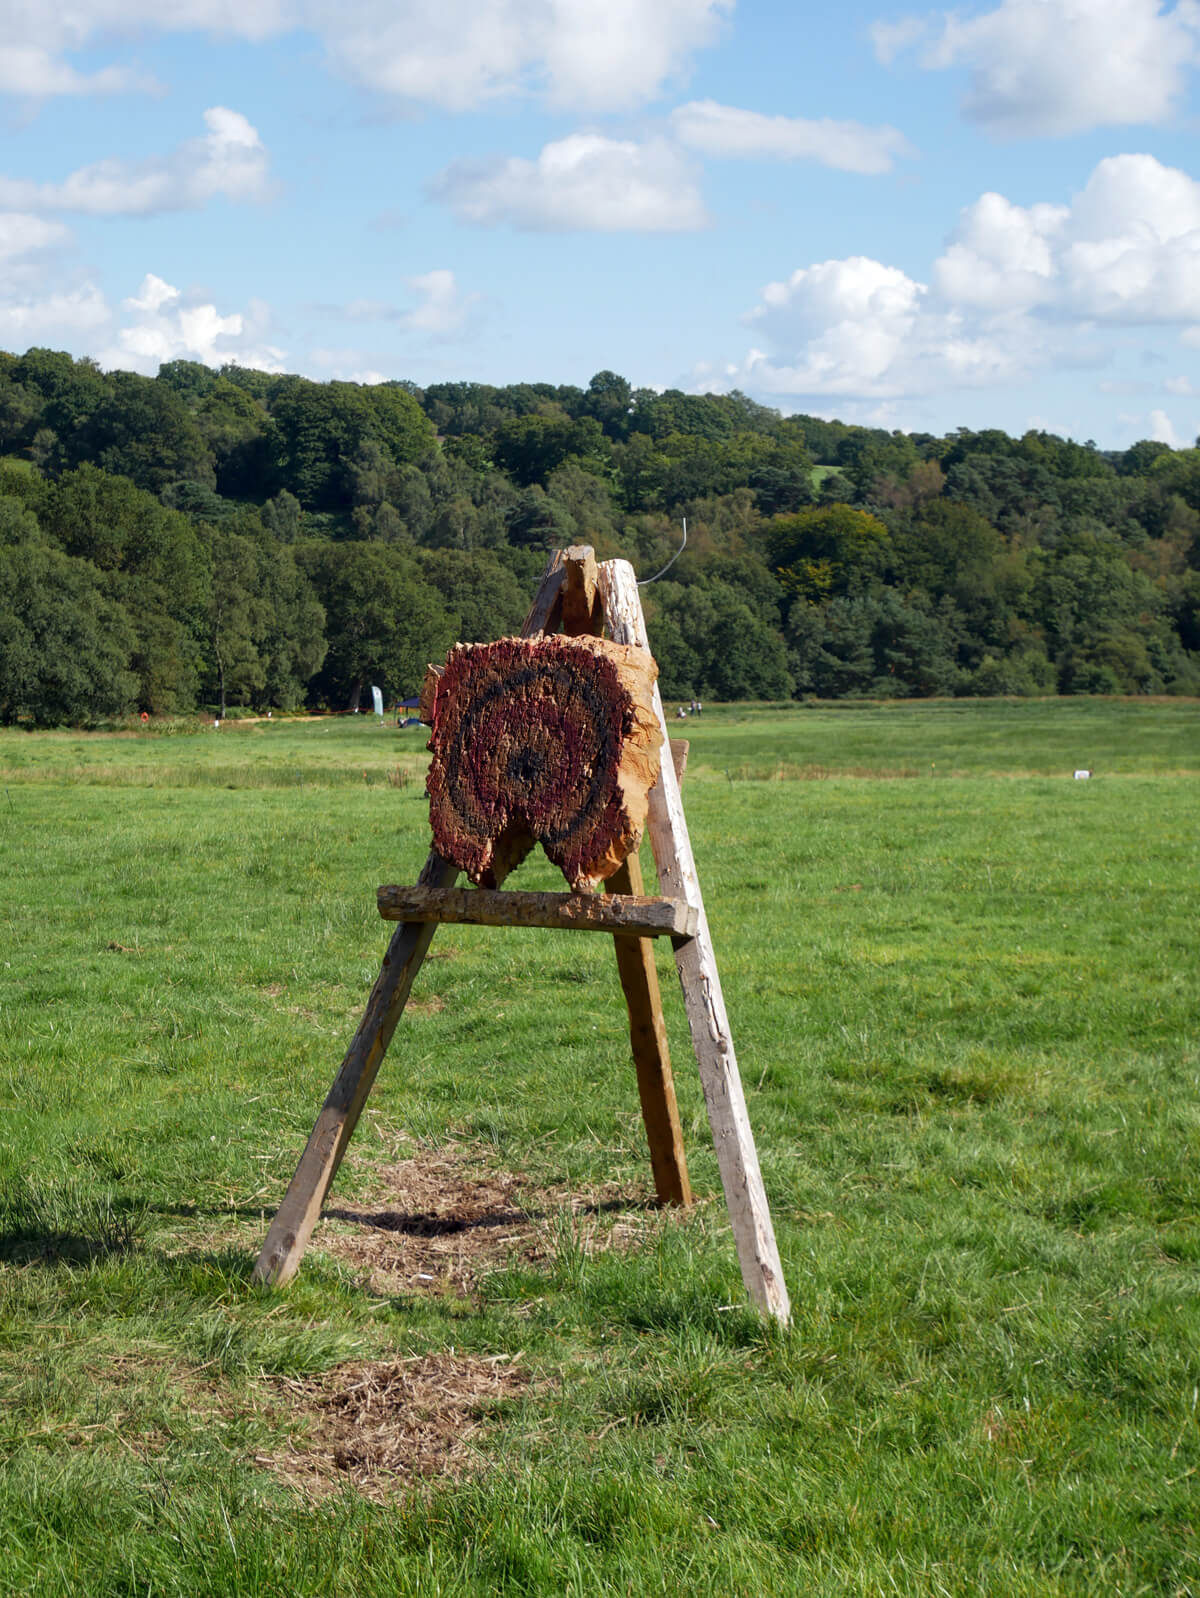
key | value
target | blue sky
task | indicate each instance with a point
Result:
(915, 219)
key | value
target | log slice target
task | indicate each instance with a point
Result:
(551, 741)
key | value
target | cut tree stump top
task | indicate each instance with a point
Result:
(551, 740)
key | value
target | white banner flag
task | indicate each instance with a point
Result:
(377, 696)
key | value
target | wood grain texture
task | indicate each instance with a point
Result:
(582, 607)
(632, 914)
(548, 740)
(737, 1158)
(546, 610)
(651, 1053)
(583, 612)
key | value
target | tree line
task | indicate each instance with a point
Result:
(213, 538)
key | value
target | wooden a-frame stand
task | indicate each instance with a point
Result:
(580, 597)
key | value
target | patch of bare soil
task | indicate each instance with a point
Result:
(443, 1219)
(385, 1425)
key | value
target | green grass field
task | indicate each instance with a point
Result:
(966, 1009)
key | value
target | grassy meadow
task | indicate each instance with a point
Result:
(965, 994)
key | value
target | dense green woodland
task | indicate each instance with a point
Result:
(207, 538)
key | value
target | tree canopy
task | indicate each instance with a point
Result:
(216, 538)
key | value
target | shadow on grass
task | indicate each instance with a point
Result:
(427, 1223)
(63, 1223)
(213, 1212)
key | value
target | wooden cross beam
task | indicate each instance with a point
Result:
(633, 915)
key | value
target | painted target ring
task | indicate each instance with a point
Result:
(528, 743)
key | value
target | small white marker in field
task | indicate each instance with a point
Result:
(1081, 776)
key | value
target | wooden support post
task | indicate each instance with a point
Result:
(301, 1208)
(582, 611)
(546, 610)
(695, 960)
(293, 1225)
(651, 1055)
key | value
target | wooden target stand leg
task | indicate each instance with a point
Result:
(696, 962)
(583, 598)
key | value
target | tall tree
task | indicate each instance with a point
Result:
(383, 624)
(64, 645)
(238, 619)
(823, 553)
(155, 564)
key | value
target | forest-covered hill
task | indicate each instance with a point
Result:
(245, 538)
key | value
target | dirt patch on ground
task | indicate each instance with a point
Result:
(443, 1219)
(433, 1005)
(385, 1425)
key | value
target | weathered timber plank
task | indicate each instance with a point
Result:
(633, 914)
(651, 1054)
(290, 1231)
(544, 740)
(546, 609)
(583, 612)
(741, 1178)
(582, 609)
(679, 757)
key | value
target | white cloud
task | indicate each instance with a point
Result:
(442, 308)
(35, 36)
(888, 39)
(24, 235)
(59, 317)
(1000, 256)
(35, 74)
(460, 53)
(847, 146)
(40, 301)
(442, 311)
(228, 161)
(45, 299)
(584, 182)
(864, 329)
(344, 365)
(1043, 67)
(1017, 290)
(1182, 386)
(1126, 250)
(452, 53)
(1162, 430)
(161, 324)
